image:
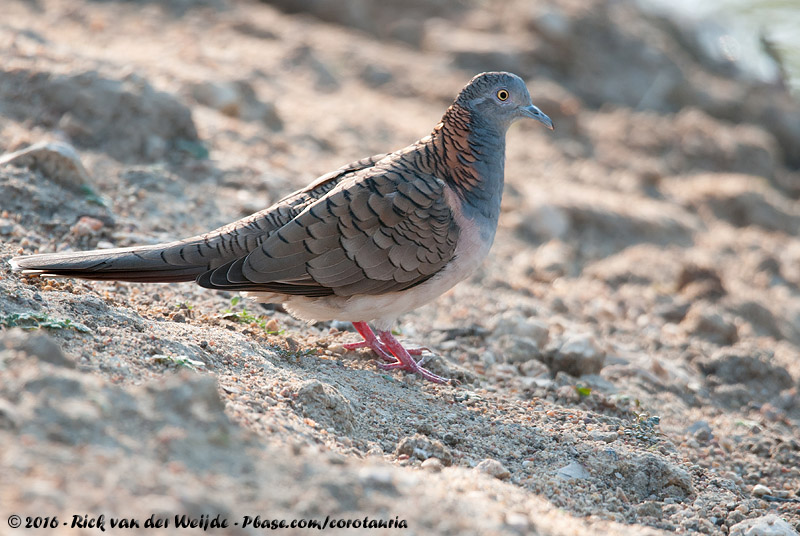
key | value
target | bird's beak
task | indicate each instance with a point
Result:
(535, 113)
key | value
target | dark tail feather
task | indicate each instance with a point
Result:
(143, 264)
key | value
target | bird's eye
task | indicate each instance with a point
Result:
(502, 94)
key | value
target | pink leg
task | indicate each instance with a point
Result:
(389, 349)
(371, 341)
(404, 360)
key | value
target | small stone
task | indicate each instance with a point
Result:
(528, 465)
(710, 325)
(606, 437)
(578, 355)
(422, 447)
(37, 345)
(553, 260)
(222, 96)
(336, 349)
(58, 161)
(518, 521)
(450, 438)
(343, 326)
(326, 405)
(649, 509)
(493, 468)
(86, 226)
(697, 282)
(7, 227)
(434, 465)
(519, 349)
(759, 490)
(534, 369)
(424, 428)
(768, 525)
(573, 471)
(700, 431)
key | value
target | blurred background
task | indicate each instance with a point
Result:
(760, 34)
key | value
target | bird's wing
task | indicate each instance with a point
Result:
(379, 231)
(243, 236)
(185, 260)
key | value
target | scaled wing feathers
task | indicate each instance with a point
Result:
(382, 230)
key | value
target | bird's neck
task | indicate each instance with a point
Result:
(469, 155)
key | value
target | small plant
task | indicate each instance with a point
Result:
(92, 197)
(296, 354)
(195, 149)
(583, 390)
(31, 321)
(246, 317)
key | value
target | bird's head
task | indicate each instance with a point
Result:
(500, 98)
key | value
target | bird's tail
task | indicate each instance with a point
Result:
(161, 263)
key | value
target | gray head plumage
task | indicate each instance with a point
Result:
(500, 98)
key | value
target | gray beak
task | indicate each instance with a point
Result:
(535, 113)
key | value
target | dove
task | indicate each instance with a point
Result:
(368, 242)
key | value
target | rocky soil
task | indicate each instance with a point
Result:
(629, 355)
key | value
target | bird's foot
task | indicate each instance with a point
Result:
(404, 361)
(364, 344)
(389, 349)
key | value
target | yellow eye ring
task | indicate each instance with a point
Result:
(502, 94)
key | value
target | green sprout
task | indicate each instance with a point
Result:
(30, 321)
(246, 317)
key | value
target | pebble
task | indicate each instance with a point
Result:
(573, 471)
(607, 437)
(37, 345)
(434, 465)
(759, 490)
(343, 326)
(519, 349)
(422, 448)
(493, 468)
(700, 431)
(516, 324)
(518, 522)
(768, 525)
(710, 325)
(528, 465)
(578, 355)
(326, 405)
(57, 160)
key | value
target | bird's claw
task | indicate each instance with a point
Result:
(390, 350)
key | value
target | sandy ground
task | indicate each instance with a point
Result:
(629, 355)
